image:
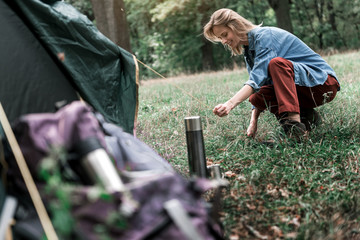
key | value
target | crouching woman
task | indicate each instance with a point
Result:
(286, 76)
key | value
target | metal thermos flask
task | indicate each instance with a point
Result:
(195, 147)
(98, 165)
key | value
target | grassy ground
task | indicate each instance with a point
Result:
(309, 190)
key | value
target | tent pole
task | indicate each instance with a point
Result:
(29, 181)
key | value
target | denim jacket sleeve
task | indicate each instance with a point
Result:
(258, 75)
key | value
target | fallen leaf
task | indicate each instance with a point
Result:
(284, 193)
(241, 178)
(295, 221)
(256, 233)
(251, 207)
(234, 237)
(234, 193)
(273, 192)
(276, 231)
(284, 219)
(222, 149)
(291, 235)
(230, 174)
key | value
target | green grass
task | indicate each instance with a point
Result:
(308, 190)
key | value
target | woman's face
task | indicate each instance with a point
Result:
(228, 37)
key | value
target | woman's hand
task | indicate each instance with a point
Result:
(252, 129)
(222, 109)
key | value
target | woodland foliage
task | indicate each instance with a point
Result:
(167, 35)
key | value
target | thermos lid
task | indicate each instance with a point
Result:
(85, 146)
(193, 123)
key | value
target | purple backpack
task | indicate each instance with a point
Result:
(155, 202)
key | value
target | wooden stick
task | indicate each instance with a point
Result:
(29, 181)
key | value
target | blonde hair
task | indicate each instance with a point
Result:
(231, 19)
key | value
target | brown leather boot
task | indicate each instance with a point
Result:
(310, 118)
(293, 129)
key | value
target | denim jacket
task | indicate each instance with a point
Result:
(266, 43)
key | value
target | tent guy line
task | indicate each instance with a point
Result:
(198, 100)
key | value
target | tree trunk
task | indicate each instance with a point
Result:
(282, 12)
(207, 47)
(111, 21)
(332, 19)
(207, 55)
(319, 9)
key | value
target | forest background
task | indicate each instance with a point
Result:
(167, 34)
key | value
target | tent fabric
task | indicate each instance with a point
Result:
(104, 74)
(30, 80)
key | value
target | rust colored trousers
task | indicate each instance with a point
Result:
(284, 96)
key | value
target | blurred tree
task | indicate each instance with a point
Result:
(206, 48)
(317, 23)
(319, 6)
(282, 12)
(167, 34)
(348, 15)
(111, 21)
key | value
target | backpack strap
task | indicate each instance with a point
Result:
(181, 219)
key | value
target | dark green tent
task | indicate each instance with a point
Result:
(50, 52)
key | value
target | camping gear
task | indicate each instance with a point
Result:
(51, 52)
(31, 80)
(27, 181)
(195, 146)
(132, 157)
(7, 207)
(146, 203)
(98, 165)
(214, 171)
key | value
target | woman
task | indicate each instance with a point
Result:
(285, 75)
